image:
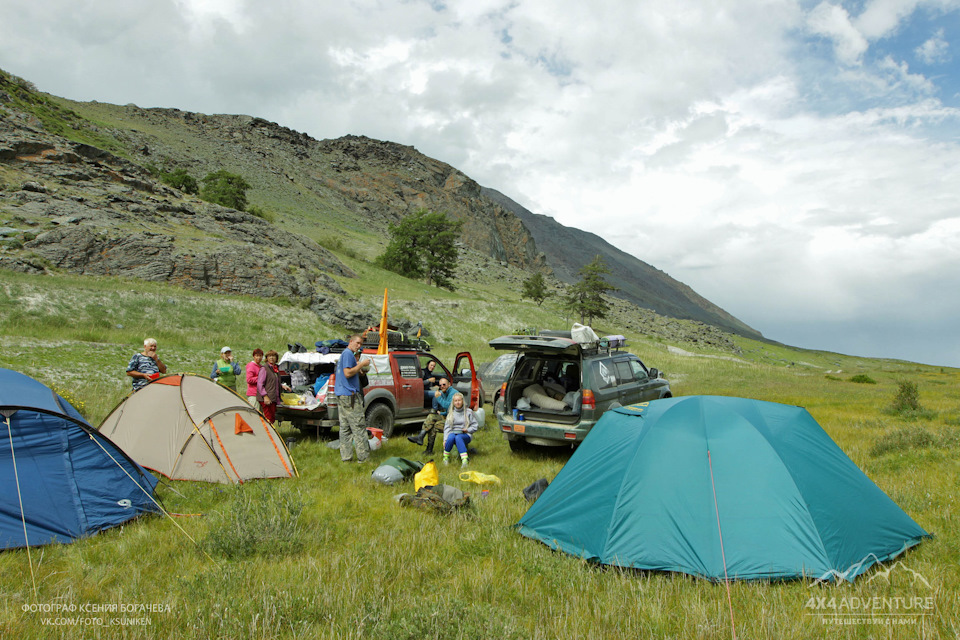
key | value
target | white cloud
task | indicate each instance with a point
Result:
(833, 21)
(712, 140)
(935, 50)
(881, 17)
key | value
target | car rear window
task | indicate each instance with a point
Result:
(502, 365)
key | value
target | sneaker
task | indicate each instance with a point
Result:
(464, 460)
(446, 459)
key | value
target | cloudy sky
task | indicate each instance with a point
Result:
(796, 163)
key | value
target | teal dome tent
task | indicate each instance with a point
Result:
(719, 487)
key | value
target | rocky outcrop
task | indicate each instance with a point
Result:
(85, 210)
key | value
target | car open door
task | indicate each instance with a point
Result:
(465, 377)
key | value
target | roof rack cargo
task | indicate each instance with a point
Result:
(396, 340)
(550, 333)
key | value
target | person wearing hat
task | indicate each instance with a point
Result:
(225, 370)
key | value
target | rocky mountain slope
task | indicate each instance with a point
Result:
(79, 191)
(637, 281)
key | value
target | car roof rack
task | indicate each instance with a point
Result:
(396, 341)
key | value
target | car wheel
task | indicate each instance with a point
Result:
(380, 416)
(517, 445)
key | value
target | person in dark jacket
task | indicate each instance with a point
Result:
(269, 386)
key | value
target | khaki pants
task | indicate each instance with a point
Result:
(353, 428)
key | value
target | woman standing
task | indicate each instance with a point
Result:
(253, 371)
(268, 386)
(225, 370)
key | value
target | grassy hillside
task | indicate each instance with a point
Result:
(331, 554)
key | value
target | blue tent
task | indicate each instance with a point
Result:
(722, 488)
(60, 478)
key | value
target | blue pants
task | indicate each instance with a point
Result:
(459, 439)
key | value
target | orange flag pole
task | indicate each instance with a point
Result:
(382, 348)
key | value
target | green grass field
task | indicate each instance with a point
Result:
(331, 554)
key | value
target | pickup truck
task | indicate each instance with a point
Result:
(394, 396)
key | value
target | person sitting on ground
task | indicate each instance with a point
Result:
(457, 429)
(442, 398)
(145, 367)
(225, 370)
(253, 372)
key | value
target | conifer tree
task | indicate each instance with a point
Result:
(423, 245)
(585, 298)
(535, 288)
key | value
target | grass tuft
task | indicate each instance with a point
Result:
(259, 520)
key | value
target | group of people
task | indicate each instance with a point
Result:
(264, 386)
(450, 414)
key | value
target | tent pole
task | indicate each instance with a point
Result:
(23, 517)
(723, 555)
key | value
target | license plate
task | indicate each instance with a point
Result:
(519, 428)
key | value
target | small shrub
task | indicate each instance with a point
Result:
(261, 520)
(180, 179)
(226, 189)
(261, 213)
(907, 398)
(862, 378)
(335, 243)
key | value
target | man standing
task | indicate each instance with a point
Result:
(145, 366)
(434, 422)
(346, 386)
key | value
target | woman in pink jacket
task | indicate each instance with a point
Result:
(253, 370)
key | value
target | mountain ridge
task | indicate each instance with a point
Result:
(100, 208)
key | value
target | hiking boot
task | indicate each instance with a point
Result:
(417, 439)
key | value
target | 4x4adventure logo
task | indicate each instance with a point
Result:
(887, 609)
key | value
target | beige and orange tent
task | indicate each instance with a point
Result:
(188, 427)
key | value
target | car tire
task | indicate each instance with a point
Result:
(380, 416)
(518, 444)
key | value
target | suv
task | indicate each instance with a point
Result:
(394, 395)
(493, 374)
(559, 388)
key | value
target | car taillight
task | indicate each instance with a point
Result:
(589, 402)
(503, 390)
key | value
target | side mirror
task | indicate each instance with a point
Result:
(654, 373)
(465, 373)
